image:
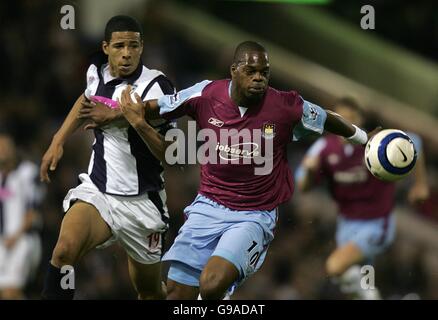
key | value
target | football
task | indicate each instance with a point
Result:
(390, 155)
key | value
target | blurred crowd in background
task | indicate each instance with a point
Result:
(43, 73)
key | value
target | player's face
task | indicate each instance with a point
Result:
(124, 52)
(251, 75)
(7, 154)
(350, 114)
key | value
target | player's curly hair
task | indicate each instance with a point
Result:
(122, 23)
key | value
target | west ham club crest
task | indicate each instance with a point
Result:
(268, 130)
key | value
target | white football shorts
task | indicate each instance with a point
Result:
(19, 263)
(138, 223)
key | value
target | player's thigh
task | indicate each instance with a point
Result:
(218, 274)
(371, 237)
(244, 246)
(83, 228)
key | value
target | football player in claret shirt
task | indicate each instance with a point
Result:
(366, 223)
(230, 224)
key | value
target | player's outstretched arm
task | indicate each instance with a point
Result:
(56, 148)
(336, 124)
(306, 172)
(420, 188)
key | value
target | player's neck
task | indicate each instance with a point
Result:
(239, 99)
(113, 71)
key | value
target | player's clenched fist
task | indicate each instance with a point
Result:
(50, 160)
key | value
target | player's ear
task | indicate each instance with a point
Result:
(233, 69)
(141, 46)
(105, 46)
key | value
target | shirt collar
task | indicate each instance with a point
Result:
(242, 110)
(108, 79)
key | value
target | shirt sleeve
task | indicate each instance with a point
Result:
(312, 121)
(92, 81)
(182, 102)
(160, 87)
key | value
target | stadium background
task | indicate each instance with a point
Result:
(319, 50)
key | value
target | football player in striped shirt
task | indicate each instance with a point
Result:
(20, 198)
(121, 197)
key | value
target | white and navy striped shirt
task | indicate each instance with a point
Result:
(19, 192)
(121, 163)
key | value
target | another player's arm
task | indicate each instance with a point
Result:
(306, 173)
(419, 190)
(71, 122)
(173, 106)
(56, 148)
(136, 114)
(170, 106)
(316, 119)
(310, 167)
(99, 114)
(338, 125)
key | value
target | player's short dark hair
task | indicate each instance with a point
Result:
(122, 23)
(246, 46)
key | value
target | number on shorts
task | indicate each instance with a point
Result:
(254, 259)
(255, 256)
(252, 246)
(154, 239)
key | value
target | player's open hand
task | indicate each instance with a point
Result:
(133, 111)
(50, 160)
(311, 163)
(418, 193)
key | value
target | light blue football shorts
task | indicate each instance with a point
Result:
(210, 229)
(372, 236)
